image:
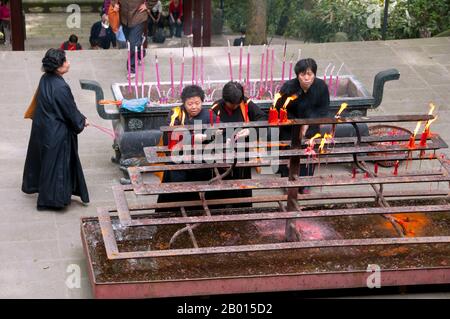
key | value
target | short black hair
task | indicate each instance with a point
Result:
(233, 92)
(192, 91)
(305, 64)
(73, 38)
(53, 59)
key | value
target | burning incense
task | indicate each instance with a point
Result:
(136, 74)
(172, 84)
(283, 63)
(142, 69)
(229, 61)
(129, 67)
(336, 87)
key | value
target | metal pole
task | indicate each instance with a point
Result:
(385, 19)
(17, 26)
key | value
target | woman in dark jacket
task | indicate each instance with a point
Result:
(235, 107)
(52, 166)
(313, 101)
(189, 113)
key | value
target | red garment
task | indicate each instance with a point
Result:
(172, 8)
(70, 46)
(5, 13)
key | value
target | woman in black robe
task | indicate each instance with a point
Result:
(235, 107)
(188, 113)
(52, 166)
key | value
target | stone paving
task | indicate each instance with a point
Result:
(36, 248)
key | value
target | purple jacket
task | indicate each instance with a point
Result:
(106, 4)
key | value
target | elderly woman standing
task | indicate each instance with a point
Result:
(52, 166)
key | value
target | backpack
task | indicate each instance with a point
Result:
(159, 36)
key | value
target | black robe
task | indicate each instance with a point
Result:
(185, 175)
(311, 104)
(314, 103)
(52, 166)
(254, 114)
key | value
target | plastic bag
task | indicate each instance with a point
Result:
(135, 105)
(32, 107)
(114, 19)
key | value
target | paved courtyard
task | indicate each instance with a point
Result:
(36, 248)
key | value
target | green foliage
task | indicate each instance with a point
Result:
(328, 17)
(235, 13)
(418, 18)
(407, 18)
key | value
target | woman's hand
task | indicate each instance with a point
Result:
(179, 21)
(86, 122)
(242, 133)
(199, 138)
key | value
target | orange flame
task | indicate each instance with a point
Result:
(432, 107)
(275, 100)
(413, 223)
(324, 140)
(343, 107)
(288, 100)
(417, 128)
(427, 126)
(311, 141)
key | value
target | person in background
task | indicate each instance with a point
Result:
(102, 35)
(72, 44)
(155, 20)
(238, 41)
(133, 17)
(5, 20)
(52, 166)
(176, 18)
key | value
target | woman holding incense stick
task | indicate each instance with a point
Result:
(313, 101)
(189, 113)
(52, 166)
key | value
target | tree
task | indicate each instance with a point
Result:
(257, 22)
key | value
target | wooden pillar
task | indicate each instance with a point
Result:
(17, 26)
(385, 20)
(207, 13)
(197, 23)
(187, 17)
